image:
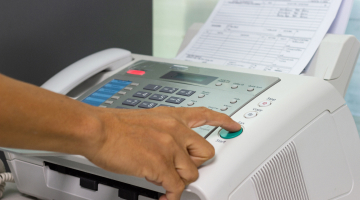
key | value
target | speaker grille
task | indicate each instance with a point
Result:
(281, 177)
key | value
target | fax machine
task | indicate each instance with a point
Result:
(299, 140)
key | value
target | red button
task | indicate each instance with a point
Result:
(136, 72)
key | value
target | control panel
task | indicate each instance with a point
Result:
(148, 84)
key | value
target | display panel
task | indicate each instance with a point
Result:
(188, 77)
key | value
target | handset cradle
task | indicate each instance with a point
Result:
(73, 75)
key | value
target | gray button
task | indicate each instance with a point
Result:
(224, 108)
(115, 97)
(185, 93)
(168, 90)
(152, 87)
(190, 103)
(158, 97)
(122, 92)
(234, 86)
(134, 84)
(165, 105)
(201, 95)
(101, 106)
(250, 89)
(131, 102)
(109, 102)
(218, 84)
(250, 114)
(128, 88)
(233, 101)
(147, 104)
(175, 100)
(141, 94)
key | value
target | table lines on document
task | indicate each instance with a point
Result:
(280, 14)
(263, 52)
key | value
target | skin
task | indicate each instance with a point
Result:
(156, 144)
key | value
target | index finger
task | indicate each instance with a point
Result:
(194, 117)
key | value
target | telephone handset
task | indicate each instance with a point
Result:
(73, 75)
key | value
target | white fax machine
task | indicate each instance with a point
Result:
(299, 140)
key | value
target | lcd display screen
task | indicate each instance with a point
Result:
(189, 77)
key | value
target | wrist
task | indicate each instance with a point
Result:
(90, 134)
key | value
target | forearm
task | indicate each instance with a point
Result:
(34, 118)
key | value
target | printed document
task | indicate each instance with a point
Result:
(277, 35)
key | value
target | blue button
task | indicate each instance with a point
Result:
(114, 86)
(100, 95)
(120, 82)
(108, 91)
(94, 99)
(229, 135)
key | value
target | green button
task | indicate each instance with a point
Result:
(229, 135)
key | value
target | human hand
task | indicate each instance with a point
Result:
(157, 144)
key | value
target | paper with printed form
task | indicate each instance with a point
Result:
(278, 35)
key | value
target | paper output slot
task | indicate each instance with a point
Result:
(126, 191)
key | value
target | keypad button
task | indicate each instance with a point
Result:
(131, 102)
(234, 86)
(175, 100)
(201, 95)
(158, 97)
(152, 87)
(250, 89)
(185, 93)
(190, 103)
(134, 84)
(265, 103)
(147, 104)
(122, 92)
(141, 94)
(165, 105)
(101, 106)
(168, 90)
(233, 101)
(218, 84)
(250, 114)
(115, 97)
(224, 108)
(128, 88)
(109, 102)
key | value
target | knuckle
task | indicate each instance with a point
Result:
(193, 176)
(167, 140)
(172, 123)
(180, 186)
(210, 152)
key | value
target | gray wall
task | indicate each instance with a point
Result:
(38, 38)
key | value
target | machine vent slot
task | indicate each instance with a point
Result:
(281, 177)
